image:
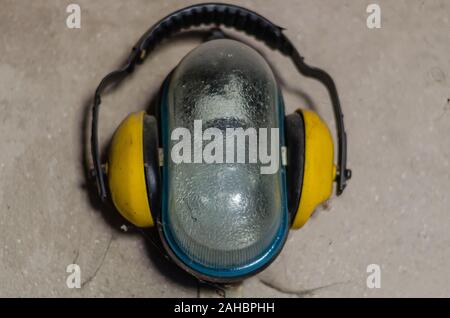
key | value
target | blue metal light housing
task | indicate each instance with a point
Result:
(223, 220)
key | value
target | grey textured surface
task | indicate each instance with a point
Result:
(394, 85)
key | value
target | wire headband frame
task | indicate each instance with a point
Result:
(230, 16)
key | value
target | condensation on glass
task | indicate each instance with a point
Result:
(222, 215)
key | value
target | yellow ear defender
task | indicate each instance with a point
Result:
(133, 167)
(319, 171)
(127, 182)
(126, 175)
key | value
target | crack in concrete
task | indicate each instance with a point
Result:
(75, 259)
(87, 281)
(299, 293)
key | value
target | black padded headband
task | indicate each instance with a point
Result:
(231, 16)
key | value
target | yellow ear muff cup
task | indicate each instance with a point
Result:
(126, 175)
(319, 170)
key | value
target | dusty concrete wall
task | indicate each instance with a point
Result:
(394, 85)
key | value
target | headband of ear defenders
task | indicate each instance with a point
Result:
(231, 16)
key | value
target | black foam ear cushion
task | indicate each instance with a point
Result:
(295, 143)
(151, 162)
